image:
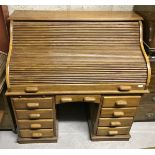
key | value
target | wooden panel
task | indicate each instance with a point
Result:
(1, 115)
(33, 103)
(78, 98)
(29, 124)
(96, 51)
(148, 14)
(114, 122)
(75, 15)
(37, 114)
(145, 112)
(121, 101)
(4, 33)
(36, 134)
(119, 112)
(106, 131)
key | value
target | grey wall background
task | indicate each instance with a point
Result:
(72, 7)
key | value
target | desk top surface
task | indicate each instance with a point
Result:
(75, 15)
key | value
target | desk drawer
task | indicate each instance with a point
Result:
(33, 103)
(106, 131)
(78, 98)
(121, 101)
(115, 122)
(117, 112)
(42, 133)
(35, 124)
(34, 114)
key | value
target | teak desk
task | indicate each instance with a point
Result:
(60, 57)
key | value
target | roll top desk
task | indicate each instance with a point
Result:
(59, 57)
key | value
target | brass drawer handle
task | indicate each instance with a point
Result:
(89, 99)
(113, 124)
(32, 105)
(36, 135)
(34, 116)
(121, 103)
(112, 133)
(125, 88)
(35, 126)
(66, 99)
(31, 89)
(118, 114)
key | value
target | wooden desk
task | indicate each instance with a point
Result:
(60, 57)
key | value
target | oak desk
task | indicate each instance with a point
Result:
(92, 57)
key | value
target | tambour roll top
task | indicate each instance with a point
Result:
(75, 49)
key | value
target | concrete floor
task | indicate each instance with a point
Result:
(73, 134)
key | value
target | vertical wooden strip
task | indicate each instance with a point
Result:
(9, 56)
(145, 55)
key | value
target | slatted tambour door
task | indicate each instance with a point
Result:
(76, 52)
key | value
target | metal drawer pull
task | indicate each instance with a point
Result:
(66, 99)
(36, 135)
(32, 105)
(124, 88)
(121, 103)
(31, 89)
(112, 133)
(34, 116)
(35, 126)
(115, 124)
(118, 114)
(89, 99)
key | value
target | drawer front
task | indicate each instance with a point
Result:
(42, 133)
(106, 131)
(121, 101)
(115, 122)
(32, 103)
(34, 114)
(118, 112)
(35, 124)
(78, 98)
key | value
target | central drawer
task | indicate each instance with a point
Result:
(33, 103)
(118, 112)
(78, 98)
(42, 133)
(35, 114)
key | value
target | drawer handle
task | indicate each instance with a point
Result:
(31, 89)
(32, 105)
(113, 124)
(112, 133)
(118, 114)
(89, 99)
(124, 88)
(66, 99)
(35, 126)
(121, 103)
(34, 116)
(36, 135)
